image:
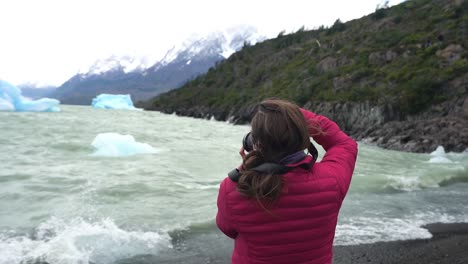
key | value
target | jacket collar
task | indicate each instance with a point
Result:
(307, 162)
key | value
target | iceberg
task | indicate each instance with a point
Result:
(12, 100)
(116, 145)
(113, 101)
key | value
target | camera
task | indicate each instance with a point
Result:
(247, 142)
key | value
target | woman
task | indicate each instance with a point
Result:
(288, 216)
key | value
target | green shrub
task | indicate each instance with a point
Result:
(397, 19)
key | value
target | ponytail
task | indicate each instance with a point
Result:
(263, 187)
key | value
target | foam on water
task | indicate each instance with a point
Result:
(364, 230)
(78, 242)
(116, 145)
(198, 186)
(439, 156)
(439, 160)
(380, 170)
(424, 178)
(422, 181)
(406, 183)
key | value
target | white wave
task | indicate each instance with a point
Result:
(197, 186)
(424, 179)
(441, 168)
(363, 230)
(79, 242)
(440, 156)
(439, 160)
(407, 183)
(440, 151)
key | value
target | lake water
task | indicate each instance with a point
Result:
(59, 203)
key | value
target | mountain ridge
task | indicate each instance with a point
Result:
(144, 79)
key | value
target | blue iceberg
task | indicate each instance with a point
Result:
(116, 145)
(113, 101)
(11, 100)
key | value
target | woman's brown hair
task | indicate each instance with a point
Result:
(278, 129)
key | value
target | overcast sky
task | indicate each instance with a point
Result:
(49, 41)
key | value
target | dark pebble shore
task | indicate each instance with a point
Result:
(449, 245)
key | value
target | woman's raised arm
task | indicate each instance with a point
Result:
(341, 150)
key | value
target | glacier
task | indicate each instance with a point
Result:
(113, 101)
(117, 145)
(12, 100)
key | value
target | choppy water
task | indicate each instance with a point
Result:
(61, 204)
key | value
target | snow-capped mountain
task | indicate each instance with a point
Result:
(125, 64)
(145, 77)
(221, 44)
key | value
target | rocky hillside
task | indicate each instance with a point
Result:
(397, 78)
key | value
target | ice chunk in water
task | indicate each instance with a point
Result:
(113, 101)
(116, 145)
(11, 100)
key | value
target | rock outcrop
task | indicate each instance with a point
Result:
(444, 124)
(421, 135)
(451, 53)
(380, 58)
(330, 63)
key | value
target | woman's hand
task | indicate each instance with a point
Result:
(242, 152)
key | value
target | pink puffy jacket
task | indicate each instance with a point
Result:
(300, 228)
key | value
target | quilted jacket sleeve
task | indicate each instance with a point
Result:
(341, 150)
(222, 217)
